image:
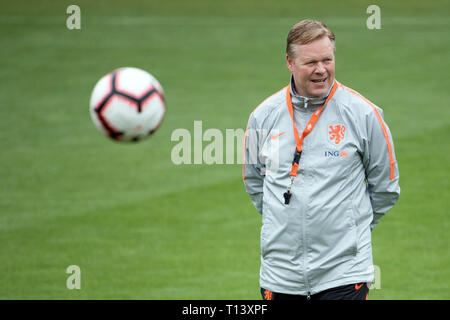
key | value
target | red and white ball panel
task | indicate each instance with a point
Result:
(102, 89)
(122, 115)
(152, 111)
(136, 82)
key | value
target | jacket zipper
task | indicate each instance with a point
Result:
(305, 254)
(305, 245)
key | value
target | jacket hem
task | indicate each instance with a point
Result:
(282, 289)
(317, 288)
(340, 282)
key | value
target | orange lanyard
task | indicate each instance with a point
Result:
(299, 139)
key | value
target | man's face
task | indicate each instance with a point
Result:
(312, 67)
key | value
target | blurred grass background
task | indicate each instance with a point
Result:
(141, 227)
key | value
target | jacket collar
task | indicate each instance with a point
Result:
(299, 101)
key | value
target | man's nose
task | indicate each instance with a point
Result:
(320, 68)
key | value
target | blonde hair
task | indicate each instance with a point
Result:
(306, 31)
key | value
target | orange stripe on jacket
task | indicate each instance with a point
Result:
(246, 130)
(383, 128)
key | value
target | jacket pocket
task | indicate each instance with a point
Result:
(266, 223)
(353, 232)
(263, 240)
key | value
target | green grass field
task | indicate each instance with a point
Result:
(140, 227)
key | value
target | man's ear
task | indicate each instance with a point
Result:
(289, 63)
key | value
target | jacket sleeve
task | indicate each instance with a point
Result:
(380, 166)
(253, 169)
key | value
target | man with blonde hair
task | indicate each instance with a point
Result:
(324, 173)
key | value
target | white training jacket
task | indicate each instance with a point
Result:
(347, 180)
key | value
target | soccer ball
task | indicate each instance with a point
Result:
(127, 104)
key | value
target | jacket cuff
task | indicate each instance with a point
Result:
(376, 219)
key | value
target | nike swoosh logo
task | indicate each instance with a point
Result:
(359, 287)
(276, 136)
